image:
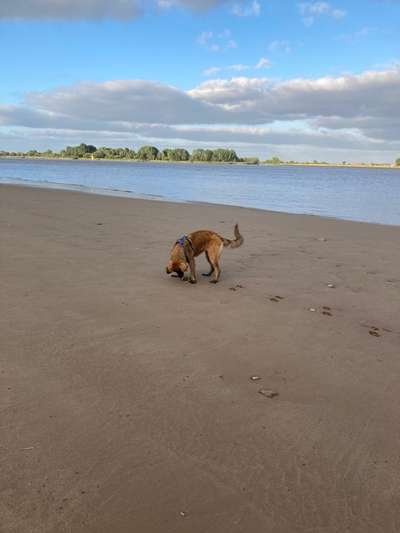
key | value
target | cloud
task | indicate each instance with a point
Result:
(124, 101)
(280, 46)
(92, 9)
(373, 94)
(252, 9)
(216, 42)
(327, 115)
(310, 11)
(263, 63)
(198, 5)
(355, 36)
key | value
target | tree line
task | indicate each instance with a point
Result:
(145, 153)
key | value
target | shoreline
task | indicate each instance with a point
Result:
(122, 384)
(116, 193)
(385, 166)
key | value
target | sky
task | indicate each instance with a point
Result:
(300, 80)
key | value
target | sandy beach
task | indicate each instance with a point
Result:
(127, 403)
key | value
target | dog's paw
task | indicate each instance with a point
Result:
(193, 281)
(214, 281)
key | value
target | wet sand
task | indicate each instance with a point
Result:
(126, 397)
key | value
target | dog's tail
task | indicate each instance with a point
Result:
(238, 241)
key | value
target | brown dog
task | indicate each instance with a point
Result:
(190, 246)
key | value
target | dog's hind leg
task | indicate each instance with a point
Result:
(214, 255)
(211, 266)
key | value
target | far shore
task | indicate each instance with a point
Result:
(386, 166)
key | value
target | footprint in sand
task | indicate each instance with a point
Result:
(236, 287)
(326, 310)
(277, 299)
(374, 331)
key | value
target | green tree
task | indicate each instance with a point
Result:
(250, 160)
(148, 153)
(202, 155)
(176, 154)
(223, 155)
(273, 161)
(397, 162)
(78, 151)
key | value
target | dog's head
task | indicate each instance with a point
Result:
(179, 267)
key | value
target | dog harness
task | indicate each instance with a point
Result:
(182, 240)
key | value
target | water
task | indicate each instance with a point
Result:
(367, 195)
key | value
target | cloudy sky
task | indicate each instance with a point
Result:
(301, 80)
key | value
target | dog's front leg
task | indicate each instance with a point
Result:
(192, 265)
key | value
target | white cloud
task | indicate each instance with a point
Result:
(252, 9)
(216, 42)
(310, 11)
(263, 63)
(280, 46)
(355, 36)
(327, 115)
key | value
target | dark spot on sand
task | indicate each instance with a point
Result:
(276, 298)
(374, 333)
(327, 313)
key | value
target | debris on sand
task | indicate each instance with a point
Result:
(268, 393)
(255, 378)
(312, 309)
(331, 286)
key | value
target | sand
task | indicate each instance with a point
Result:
(127, 403)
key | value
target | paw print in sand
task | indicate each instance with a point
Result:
(277, 299)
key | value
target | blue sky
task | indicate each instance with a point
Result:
(241, 74)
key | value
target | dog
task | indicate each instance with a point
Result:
(190, 246)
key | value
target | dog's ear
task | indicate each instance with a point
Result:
(168, 268)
